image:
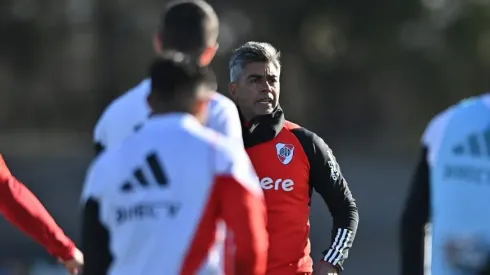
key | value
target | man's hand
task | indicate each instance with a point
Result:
(74, 265)
(324, 268)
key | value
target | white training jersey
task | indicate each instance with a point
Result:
(161, 193)
(131, 110)
(458, 142)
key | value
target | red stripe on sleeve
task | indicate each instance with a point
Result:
(244, 214)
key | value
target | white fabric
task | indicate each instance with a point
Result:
(131, 110)
(458, 142)
(191, 155)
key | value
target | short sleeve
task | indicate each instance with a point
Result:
(94, 179)
(434, 132)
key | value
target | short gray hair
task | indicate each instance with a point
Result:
(252, 52)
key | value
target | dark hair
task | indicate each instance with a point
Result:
(188, 26)
(252, 52)
(174, 74)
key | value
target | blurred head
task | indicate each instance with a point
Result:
(254, 78)
(177, 85)
(191, 27)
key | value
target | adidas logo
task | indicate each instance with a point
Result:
(475, 145)
(141, 180)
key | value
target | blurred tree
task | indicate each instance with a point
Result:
(372, 69)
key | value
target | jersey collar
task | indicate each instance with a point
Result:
(262, 128)
(170, 119)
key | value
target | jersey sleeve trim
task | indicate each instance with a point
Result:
(336, 253)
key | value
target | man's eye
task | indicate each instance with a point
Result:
(254, 80)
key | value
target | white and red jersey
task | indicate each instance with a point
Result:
(129, 111)
(152, 204)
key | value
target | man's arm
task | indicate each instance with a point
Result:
(237, 199)
(244, 213)
(95, 240)
(95, 235)
(327, 179)
(242, 207)
(21, 207)
(414, 218)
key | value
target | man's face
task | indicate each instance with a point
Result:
(257, 90)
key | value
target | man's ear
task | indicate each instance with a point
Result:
(157, 44)
(208, 55)
(232, 90)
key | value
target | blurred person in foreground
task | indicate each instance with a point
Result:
(451, 190)
(290, 162)
(152, 204)
(21, 208)
(191, 27)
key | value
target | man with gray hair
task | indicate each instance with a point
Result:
(290, 162)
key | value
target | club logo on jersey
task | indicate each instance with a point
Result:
(284, 152)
